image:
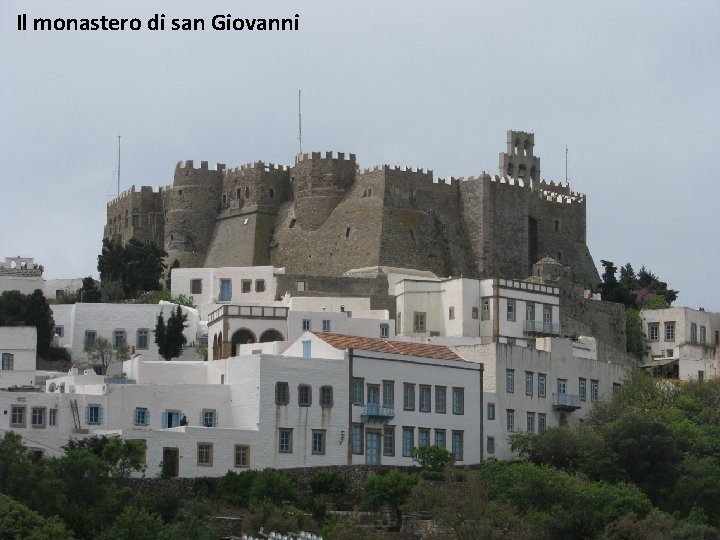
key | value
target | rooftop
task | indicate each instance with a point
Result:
(423, 350)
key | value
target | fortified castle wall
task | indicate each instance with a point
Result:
(324, 215)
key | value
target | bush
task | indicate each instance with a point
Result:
(329, 482)
(433, 458)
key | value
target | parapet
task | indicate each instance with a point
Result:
(189, 164)
(259, 165)
(339, 156)
(396, 168)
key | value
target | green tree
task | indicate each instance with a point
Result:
(169, 337)
(432, 458)
(636, 338)
(17, 521)
(393, 489)
(89, 292)
(101, 352)
(138, 524)
(135, 267)
(17, 309)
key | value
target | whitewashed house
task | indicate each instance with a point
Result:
(18, 345)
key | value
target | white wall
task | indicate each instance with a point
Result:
(21, 343)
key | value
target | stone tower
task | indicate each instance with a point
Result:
(518, 161)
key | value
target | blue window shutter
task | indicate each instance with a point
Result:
(100, 414)
(87, 414)
(216, 421)
(165, 420)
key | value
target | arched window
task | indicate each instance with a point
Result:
(521, 171)
(525, 148)
(510, 171)
(533, 173)
(517, 144)
(241, 337)
(271, 335)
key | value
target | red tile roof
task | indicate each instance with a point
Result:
(423, 350)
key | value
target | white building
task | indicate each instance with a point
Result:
(24, 275)
(329, 399)
(495, 310)
(18, 351)
(534, 389)
(684, 343)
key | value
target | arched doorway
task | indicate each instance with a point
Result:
(271, 335)
(241, 337)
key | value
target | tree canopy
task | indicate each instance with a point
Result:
(17, 309)
(643, 290)
(169, 336)
(127, 270)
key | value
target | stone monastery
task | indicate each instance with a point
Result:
(325, 215)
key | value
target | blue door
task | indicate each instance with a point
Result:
(170, 419)
(372, 448)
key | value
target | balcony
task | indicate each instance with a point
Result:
(540, 327)
(377, 413)
(566, 402)
(248, 312)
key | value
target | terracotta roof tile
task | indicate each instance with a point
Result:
(423, 350)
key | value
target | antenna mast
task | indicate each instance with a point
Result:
(118, 183)
(299, 122)
(566, 162)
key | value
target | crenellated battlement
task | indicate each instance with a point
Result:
(330, 155)
(397, 168)
(252, 166)
(190, 164)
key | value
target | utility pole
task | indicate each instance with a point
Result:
(299, 122)
(118, 181)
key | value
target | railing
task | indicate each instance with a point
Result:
(540, 327)
(566, 401)
(376, 412)
(268, 312)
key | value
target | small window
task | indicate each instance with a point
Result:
(693, 332)
(347, 232)
(209, 418)
(357, 439)
(510, 381)
(475, 313)
(670, 331)
(562, 386)
(304, 395)
(594, 390)
(318, 442)
(196, 286)
(388, 393)
(531, 422)
(259, 285)
(285, 440)
(246, 285)
(326, 325)
(408, 396)
(511, 310)
(204, 454)
(486, 310)
(225, 290)
(408, 441)
(582, 389)
(653, 331)
(529, 383)
(423, 437)
(292, 223)
(458, 401)
(541, 384)
(440, 438)
(440, 399)
(419, 322)
(491, 411)
(142, 416)
(224, 198)
(451, 313)
(142, 338)
(384, 330)
(703, 334)
(542, 422)
(358, 391)
(326, 397)
(490, 445)
(93, 414)
(52, 417)
(425, 398)
(301, 286)
(90, 337)
(8, 361)
(457, 445)
(118, 338)
(37, 418)
(282, 393)
(389, 441)
(242, 456)
(60, 331)
(557, 225)
(17, 416)
(510, 420)
(247, 192)
(306, 325)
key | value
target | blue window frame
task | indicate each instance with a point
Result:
(142, 416)
(93, 414)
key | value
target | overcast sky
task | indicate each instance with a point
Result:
(632, 88)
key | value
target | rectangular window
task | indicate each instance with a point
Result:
(388, 393)
(142, 416)
(326, 325)
(490, 445)
(594, 389)
(384, 330)
(510, 380)
(37, 418)
(440, 438)
(209, 418)
(8, 361)
(531, 422)
(318, 442)
(511, 310)
(423, 437)
(419, 322)
(541, 384)
(389, 441)
(561, 386)
(670, 331)
(304, 395)
(307, 348)
(60, 331)
(703, 334)
(259, 285)
(510, 420)
(458, 400)
(17, 416)
(118, 338)
(440, 399)
(225, 290)
(90, 337)
(693, 333)
(529, 311)
(653, 331)
(326, 397)
(475, 313)
(425, 398)
(358, 391)
(373, 394)
(408, 441)
(301, 286)
(142, 338)
(451, 313)
(542, 422)
(52, 417)
(357, 439)
(408, 396)
(196, 286)
(547, 314)
(282, 393)
(491, 411)
(246, 285)
(204, 454)
(285, 440)
(242, 455)
(306, 325)
(529, 383)
(93, 414)
(486, 310)
(457, 445)
(582, 389)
